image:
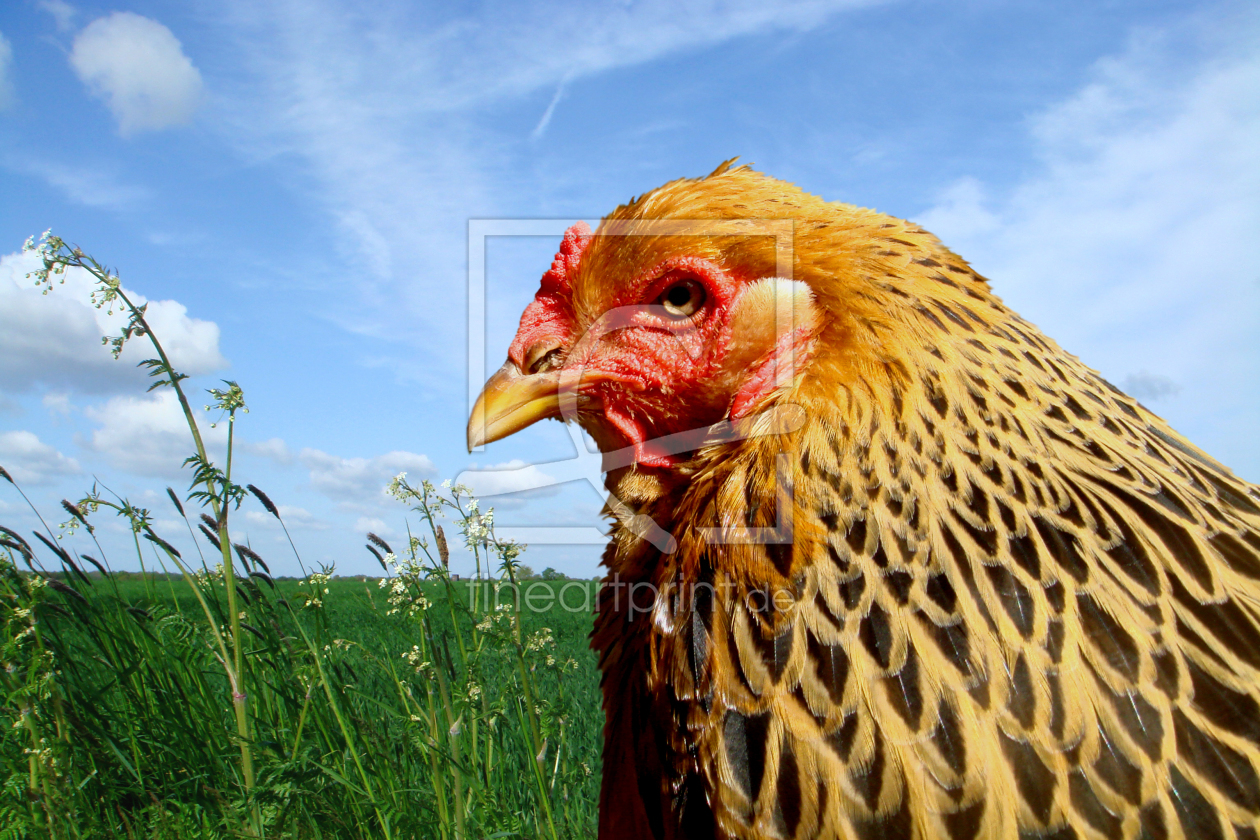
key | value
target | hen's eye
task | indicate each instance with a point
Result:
(541, 356)
(683, 299)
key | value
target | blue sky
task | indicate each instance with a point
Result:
(291, 183)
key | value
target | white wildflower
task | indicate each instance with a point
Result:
(540, 640)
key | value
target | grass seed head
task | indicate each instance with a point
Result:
(77, 571)
(53, 547)
(77, 513)
(15, 535)
(90, 559)
(211, 536)
(266, 502)
(443, 551)
(73, 510)
(380, 542)
(246, 554)
(175, 501)
(65, 589)
(154, 538)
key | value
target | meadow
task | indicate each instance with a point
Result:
(211, 700)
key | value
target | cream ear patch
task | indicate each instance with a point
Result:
(771, 327)
(768, 310)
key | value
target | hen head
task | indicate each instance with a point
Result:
(696, 303)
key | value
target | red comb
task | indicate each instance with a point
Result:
(547, 316)
(557, 278)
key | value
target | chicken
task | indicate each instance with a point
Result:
(924, 575)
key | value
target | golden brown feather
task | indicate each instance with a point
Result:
(1015, 603)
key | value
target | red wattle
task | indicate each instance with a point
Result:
(634, 432)
(793, 347)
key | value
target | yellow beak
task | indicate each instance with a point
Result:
(511, 401)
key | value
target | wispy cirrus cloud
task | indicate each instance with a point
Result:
(91, 186)
(62, 13)
(387, 105)
(1132, 242)
(7, 92)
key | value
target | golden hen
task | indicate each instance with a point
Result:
(886, 562)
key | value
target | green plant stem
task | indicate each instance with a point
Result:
(169, 369)
(36, 783)
(297, 738)
(531, 709)
(170, 581)
(452, 736)
(144, 573)
(236, 674)
(439, 788)
(345, 730)
(173, 379)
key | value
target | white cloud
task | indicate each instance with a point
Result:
(960, 213)
(92, 187)
(516, 47)
(30, 461)
(58, 404)
(294, 517)
(1133, 243)
(375, 525)
(1148, 387)
(545, 120)
(54, 340)
(273, 449)
(360, 480)
(6, 69)
(515, 476)
(62, 12)
(138, 67)
(168, 526)
(149, 435)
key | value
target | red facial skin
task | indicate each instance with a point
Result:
(548, 317)
(651, 374)
(790, 352)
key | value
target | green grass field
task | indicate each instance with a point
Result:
(122, 723)
(217, 702)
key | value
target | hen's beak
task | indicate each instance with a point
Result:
(510, 401)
